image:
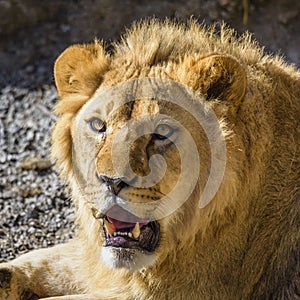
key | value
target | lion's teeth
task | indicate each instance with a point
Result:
(121, 233)
(110, 228)
(136, 230)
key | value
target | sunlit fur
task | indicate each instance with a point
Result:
(245, 243)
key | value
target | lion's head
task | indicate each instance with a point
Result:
(171, 113)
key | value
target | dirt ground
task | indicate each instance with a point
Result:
(33, 33)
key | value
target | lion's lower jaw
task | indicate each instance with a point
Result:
(130, 259)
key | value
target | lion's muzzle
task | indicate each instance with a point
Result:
(134, 234)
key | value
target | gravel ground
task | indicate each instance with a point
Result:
(35, 210)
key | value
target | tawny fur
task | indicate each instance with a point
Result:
(245, 243)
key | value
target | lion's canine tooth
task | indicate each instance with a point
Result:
(136, 230)
(110, 228)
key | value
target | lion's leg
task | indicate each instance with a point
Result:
(80, 297)
(45, 272)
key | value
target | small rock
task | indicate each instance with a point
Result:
(286, 17)
(31, 230)
(35, 163)
(224, 3)
(29, 69)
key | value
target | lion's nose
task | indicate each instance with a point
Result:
(113, 184)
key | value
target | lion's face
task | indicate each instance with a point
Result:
(133, 157)
(141, 151)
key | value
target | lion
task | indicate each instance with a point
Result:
(208, 108)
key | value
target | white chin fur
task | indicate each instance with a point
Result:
(130, 259)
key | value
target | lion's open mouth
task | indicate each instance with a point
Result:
(141, 234)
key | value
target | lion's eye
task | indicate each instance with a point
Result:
(163, 131)
(97, 125)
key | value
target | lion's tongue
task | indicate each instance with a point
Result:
(121, 218)
(119, 224)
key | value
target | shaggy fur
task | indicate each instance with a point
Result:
(245, 243)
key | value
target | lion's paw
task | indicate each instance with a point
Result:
(12, 285)
(5, 278)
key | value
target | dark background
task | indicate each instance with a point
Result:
(34, 32)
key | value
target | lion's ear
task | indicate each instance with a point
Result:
(80, 68)
(217, 76)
